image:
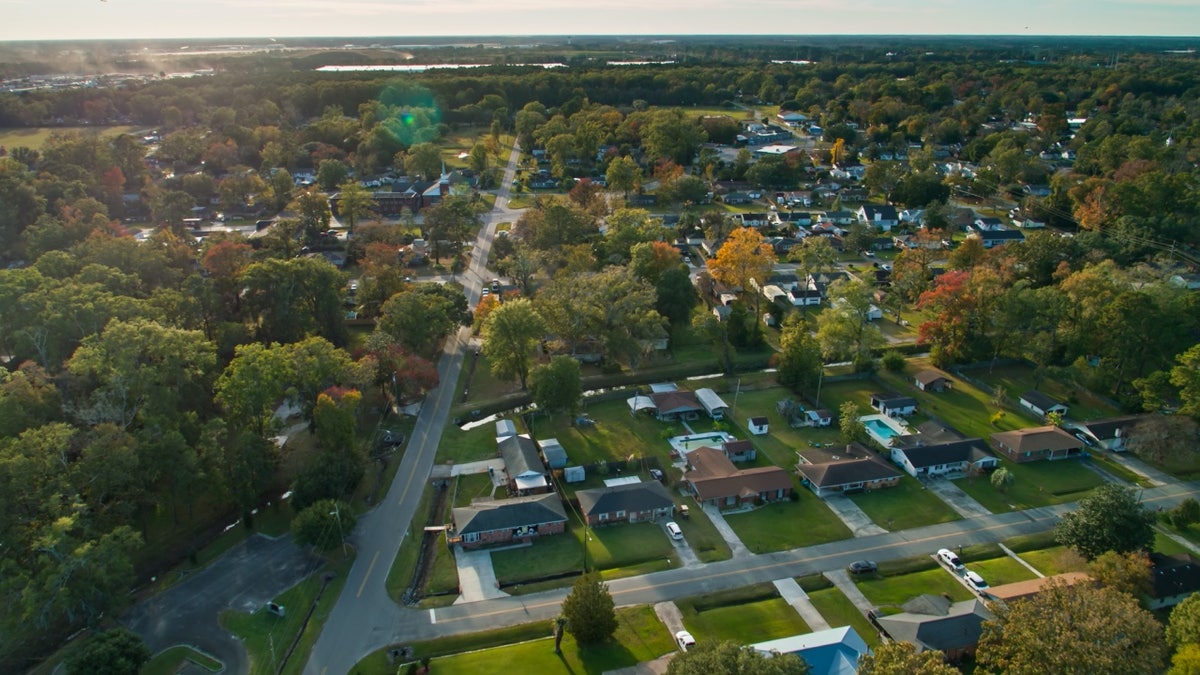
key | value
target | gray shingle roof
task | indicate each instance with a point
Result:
(633, 497)
(959, 627)
(520, 455)
(502, 514)
(969, 450)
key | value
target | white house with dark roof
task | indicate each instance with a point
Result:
(967, 456)
(894, 405)
(1041, 405)
(1110, 434)
(880, 216)
(631, 502)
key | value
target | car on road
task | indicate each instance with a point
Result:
(685, 640)
(975, 581)
(862, 567)
(949, 559)
(484, 292)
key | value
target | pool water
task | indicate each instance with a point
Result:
(880, 429)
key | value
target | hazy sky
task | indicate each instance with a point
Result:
(71, 19)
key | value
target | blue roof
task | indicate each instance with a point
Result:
(827, 652)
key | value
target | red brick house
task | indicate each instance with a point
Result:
(501, 521)
(715, 480)
(1030, 445)
(632, 503)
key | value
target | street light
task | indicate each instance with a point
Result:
(337, 513)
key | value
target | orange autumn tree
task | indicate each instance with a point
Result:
(744, 261)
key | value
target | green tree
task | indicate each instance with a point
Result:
(418, 320)
(845, 329)
(172, 206)
(119, 651)
(1182, 516)
(1109, 519)
(331, 173)
(1186, 376)
(589, 610)
(671, 135)
(1073, 629)
(1001, 479)
(324, 524)
(717, 332)
(558, 386)
(851, 428)
(1126, 572)
(313, 208)
(510, 339)
(1186, 661)
(901, 658)
(730, 658)
(799, 361)
(289, 300)
(424, 159)
(354, 203)
(335, 418)
(452, 220)
(1183, 628)
(477, 160)
(334, 474)
(675, 295)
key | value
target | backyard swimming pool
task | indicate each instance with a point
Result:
(882, 428)
(686, 444)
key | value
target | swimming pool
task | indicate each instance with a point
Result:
(686, 444)
(880, 429)
(883, 429)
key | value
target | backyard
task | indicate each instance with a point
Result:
(905, 506)
(1018, 379)
(744, 615)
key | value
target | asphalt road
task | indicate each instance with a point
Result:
(245, 578)
(364, 617)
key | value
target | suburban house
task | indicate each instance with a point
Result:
(1028, 445)
(932, 622)
(859, 471)
(500, 521)
(932, 379)
(804, 297)
(716, 408)
(1175, 577)
(673, 405)
(631, 502)
(994, 238)
(715, 480)
(881, 216)
(791, 117)
(818, 418)
(894, 405)
(834, 651)
(759, 426)
(523, 464)
(1110, 434)
(739, 451)
(1041, 404)
(553, 452)
(966, 456)
(1007, 593)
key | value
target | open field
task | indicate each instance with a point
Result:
(744, 615)
(1034, 484)
(905, 506)
(35, 137)
(773, 527)
(894, 591)
(965, 407)
(1018, 379)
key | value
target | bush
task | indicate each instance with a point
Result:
(893, 361)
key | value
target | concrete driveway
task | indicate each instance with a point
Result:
(245, 578)
(856, 519)
(739, 549)
(962, 503)
(476, 576)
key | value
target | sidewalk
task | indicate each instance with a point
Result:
(962, 503)
(739, 549)
(798, 599)
(856, 519)
(841, 579)
(1131, 462)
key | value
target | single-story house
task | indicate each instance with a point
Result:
(1006, 593)
(523, 464)
(932, 622)
(932, 379)
(834, 651)
(759, 426)
(500, 521)
(1041, 404)
(1110, 434)
(894, 405)
(716, 408)
(554, 453)
(882, 216)
(862, 472)
(966, 456)
(679, 404)
(715, 480)
(1028, 445)
(818, 418)
(804, 297)
(1175, 577)
(739, 451)
(632, 502)
(994, 238)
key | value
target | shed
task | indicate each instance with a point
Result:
(759, 426)
(574, 474)
(553, 451)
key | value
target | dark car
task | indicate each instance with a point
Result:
(862, 567)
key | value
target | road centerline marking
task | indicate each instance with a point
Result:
(374, 559)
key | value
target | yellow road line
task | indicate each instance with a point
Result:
(363, 585)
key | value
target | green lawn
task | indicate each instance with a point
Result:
(1001, 570)
(401, 572)
(460, 446)
(548, 556)
(468, 487)
(1168, 546)
(779, 446)
(1103, 460)
(1034, 484)
(838, 611)
(639, 637)
(777, 526)
(260, 630)
(616, 434)
(482, 387)
(744, 615)
(169, 661)
(35, 137)
(627, 544)
(896, 590)
(1055, 560)
(702, 536)
(965, 407)
(905, 506)
(1018, 379)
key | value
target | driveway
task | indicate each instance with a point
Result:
(962, 503)
(841, 579)
(795, 596)
(476, 576)
(856, 519)
(739, 549)
(245, 578)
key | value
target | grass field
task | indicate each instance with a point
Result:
(1018, 379)
(743, 615)
(837, 610)
(1034, 484)
(1001, 570)
(400, 574)
(702, 536)
(36, 137)
(458, 446)
(905, 506)
(774, 527)
(1055, 560)
(894, 591)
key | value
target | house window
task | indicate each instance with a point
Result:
(620, 514)
(1027, 453)
(603, 517)
(471, 537)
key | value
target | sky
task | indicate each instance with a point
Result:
(114, 19)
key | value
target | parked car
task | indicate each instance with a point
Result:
(862, 567)
(975, 581)
(674, 530)
(685, 640)
(1086, 439)
(949, 559)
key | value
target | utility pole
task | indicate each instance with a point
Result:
(337, 513)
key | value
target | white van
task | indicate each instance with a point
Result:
(674, 531)
(949, 559)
